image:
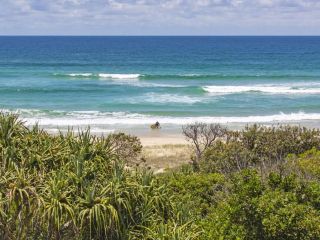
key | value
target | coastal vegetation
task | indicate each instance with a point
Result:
(256, 183)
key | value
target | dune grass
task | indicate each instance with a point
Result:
(169, 156)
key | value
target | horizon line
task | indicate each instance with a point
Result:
(66, 35)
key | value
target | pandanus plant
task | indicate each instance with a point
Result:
(12, 132)
(20, 202)
(75, 186)
(58, 212)
(97, 216)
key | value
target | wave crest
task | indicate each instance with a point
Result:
(119, 76)
(80, 74)
(169, 98)
(263, 89)
(103, 75)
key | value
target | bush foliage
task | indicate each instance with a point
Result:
(77, 186)
(258, 147)
(257, 183)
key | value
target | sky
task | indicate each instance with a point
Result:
(159, 17)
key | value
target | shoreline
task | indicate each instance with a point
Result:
(171, 133)
(163, 140)
(167, 135)
(167, 148)
(160, 137)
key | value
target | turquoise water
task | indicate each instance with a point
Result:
(113, 82)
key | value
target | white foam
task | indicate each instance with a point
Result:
(105, 75)
(191, 75)
(122, 79)
(167, 98)
(119, 76)
(80, 74)
(92, 130)
(274, 89)
(101, 120)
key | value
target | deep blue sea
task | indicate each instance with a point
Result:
(114, 82)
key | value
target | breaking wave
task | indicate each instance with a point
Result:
(263, 89)
(119, 76)
(101, 75)
(100, 119)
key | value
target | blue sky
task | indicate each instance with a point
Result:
(160, 17)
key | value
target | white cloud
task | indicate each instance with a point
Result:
(159, 16)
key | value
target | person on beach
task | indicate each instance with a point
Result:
(156, 125)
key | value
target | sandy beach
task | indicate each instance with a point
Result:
(167, 156)
(162, 139)
(163, 150)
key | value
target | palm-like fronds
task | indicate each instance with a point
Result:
(10, 127)
(98, 215)
(74, 186)
(57, 210)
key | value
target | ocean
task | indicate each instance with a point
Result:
(114, 83)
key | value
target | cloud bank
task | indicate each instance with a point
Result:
(160, 17)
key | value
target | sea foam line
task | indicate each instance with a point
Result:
(105, 75)
(80, 74)
(162, 98)
(119, 76)
(265, 89)
(96, 118)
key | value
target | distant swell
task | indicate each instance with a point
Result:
(221, 76)
(217, 76)
(263, 89)
(101, 75)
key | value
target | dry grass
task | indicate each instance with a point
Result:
(161, 157)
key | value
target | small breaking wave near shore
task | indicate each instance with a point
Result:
(96, 118)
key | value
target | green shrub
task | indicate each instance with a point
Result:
(283, 217)
(307, 163)
(259, 147)
(227, 158)
(198, 191)
(280, 208)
